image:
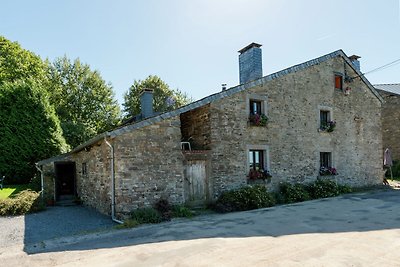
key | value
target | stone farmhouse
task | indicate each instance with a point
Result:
(390, 117)
(319, 119)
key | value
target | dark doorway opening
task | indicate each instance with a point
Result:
(65, 179)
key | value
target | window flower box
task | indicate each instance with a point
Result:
(258, 119)
(258, 175)
(328, 126)
(324, 171)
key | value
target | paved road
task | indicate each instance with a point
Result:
(351, 230)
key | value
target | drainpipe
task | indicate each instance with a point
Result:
(112, 183)
(41, 180)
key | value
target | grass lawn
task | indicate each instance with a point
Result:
(10, 190)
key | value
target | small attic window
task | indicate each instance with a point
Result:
(338, 81)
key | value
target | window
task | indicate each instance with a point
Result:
(338, 81)
(255, 107)
(324, 118)
(325, 159)
(84, 168)
(256, 159)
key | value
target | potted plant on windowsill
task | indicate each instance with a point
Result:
(328, 126)
(256, 175)
(258, 119)
(324, 171)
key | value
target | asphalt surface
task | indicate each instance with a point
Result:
(351, 230)
(54, 222)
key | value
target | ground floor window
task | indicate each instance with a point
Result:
(325, 163)
(256, 160)
(258, 163)
(325, 159)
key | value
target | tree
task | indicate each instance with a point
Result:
(84, 102)
(17, 63)
(164, 98)
(30, 130)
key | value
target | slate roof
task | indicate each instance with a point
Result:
(222, 94)
(391, 88)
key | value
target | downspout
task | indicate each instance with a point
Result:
(112, 183)
(41, 180)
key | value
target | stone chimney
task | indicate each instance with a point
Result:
(356, 63)
(250, 63)
(146, 102)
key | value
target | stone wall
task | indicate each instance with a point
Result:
(94, 186)
(149, 166)
(292, 138)
(195, 127)
(390, 123)
(49, 182)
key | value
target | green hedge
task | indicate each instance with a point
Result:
(26, 201)
(245, 198)
(290, 193)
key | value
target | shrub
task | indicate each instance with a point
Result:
(164, 208)
(179, 211)
(146, 215)
(24, 202)
(245, 198)
(290, 193)
(395, 170)
(324, 188)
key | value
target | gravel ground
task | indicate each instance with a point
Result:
(54, 222)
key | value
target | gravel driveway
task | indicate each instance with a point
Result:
(52, 223)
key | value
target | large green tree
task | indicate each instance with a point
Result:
(17, 63)
(30, 130)
(84, 102)
(164, 98)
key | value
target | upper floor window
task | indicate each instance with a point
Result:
(338, 81)
(255, 107)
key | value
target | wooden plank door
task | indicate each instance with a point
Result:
(196, 179)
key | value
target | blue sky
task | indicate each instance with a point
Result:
(192, 45)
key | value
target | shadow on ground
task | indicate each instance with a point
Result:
(370, 211)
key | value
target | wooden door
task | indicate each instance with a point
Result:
(196, 182)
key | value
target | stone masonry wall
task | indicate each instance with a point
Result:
(149, 166)
(48, 181)
(195, 127)
(390, 123)
(292, 138)
(94, 187)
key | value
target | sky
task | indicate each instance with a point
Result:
(192, 45)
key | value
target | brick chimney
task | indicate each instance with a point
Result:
(355, 61)
(146, 102)
(250, 63)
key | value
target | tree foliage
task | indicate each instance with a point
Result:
(164, 98)
(84, 102)
(30, 130)
(17, 63)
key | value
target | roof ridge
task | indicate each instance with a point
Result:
(222, 94)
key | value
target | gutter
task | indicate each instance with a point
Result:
(112, 183)
(41, 180)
